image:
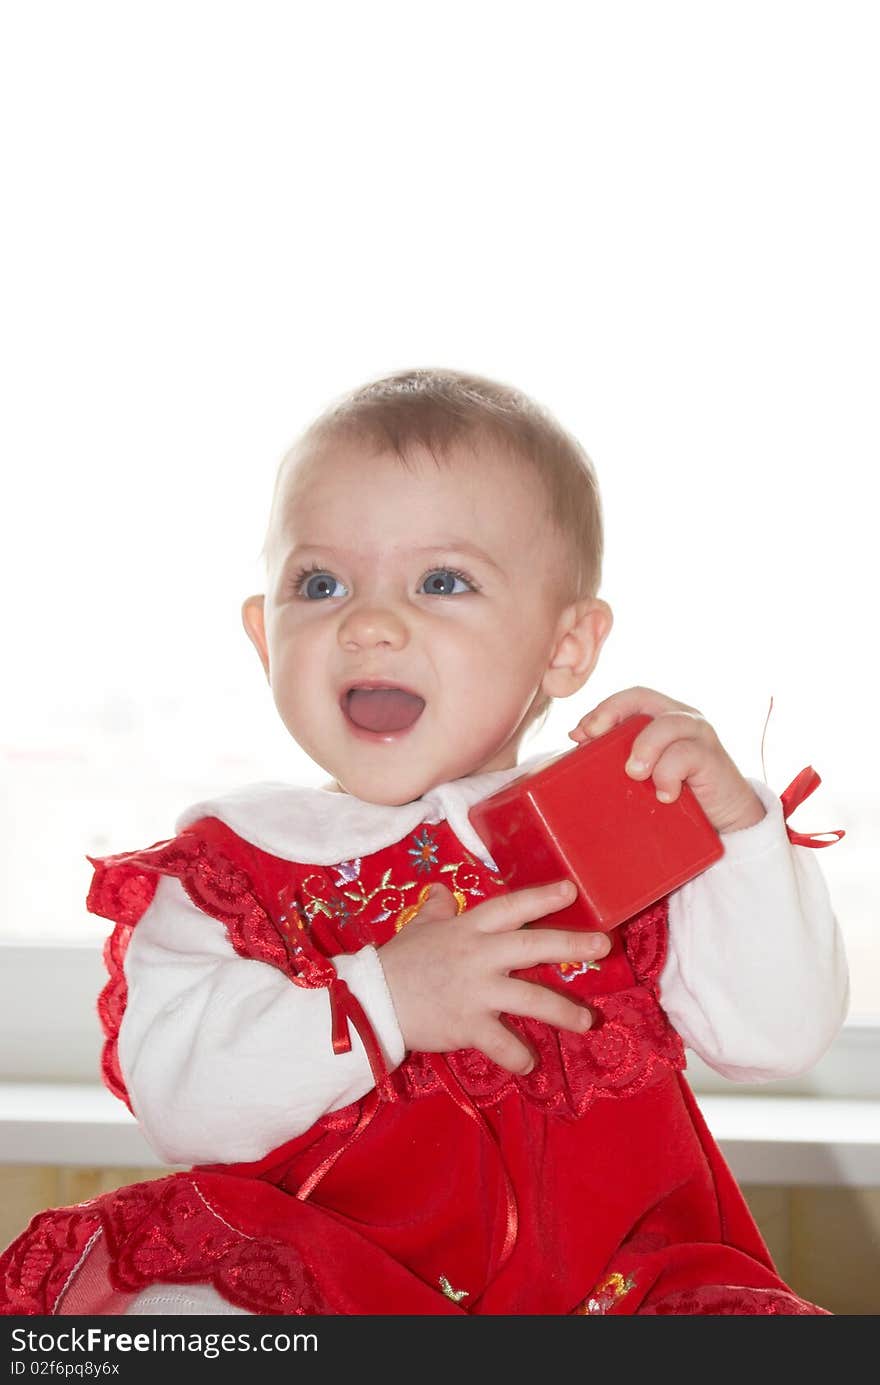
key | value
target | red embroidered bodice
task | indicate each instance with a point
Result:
(311, 913)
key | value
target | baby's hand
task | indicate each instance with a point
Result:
(678, 745)
(449, 979)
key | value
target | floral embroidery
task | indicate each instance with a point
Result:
(466, 881)
(424, 853)
(287, 923)
(455, 1294)
(346, 871)
(339, 909)
(569, 970)
(606, 1295)
(321, 896)
(408, 914)
(346, 904)
(333, 905)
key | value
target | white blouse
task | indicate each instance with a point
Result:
(224, 1059)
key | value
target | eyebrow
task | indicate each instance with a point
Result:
(451, 546)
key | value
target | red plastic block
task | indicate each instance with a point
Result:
(581, 817)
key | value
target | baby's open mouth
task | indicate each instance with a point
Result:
(383, 708)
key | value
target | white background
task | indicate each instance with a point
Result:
(661, 220)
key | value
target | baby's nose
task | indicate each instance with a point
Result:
(375, 625)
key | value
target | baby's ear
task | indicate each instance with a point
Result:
(253, 618)
(583, 628)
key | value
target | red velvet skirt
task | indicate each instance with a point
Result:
(430, 1207)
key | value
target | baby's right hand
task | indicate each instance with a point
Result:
(449, 978)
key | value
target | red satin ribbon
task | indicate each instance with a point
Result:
(307, 1188)
(800, 788)
(463, 1101)
(460, 1096)
(345, 1006)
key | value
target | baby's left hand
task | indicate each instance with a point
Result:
(678, 746)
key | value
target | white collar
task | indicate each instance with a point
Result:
(321, 827)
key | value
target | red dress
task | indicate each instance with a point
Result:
(589, 1186)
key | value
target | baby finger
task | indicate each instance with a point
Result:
(502, 1046)
(555, 945)
(518, 907)
(534, 1001)
(676, 764)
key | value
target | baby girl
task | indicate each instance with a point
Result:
(395, 1087)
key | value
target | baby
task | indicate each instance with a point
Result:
(397, 1087)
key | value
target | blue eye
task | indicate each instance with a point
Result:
(315, 584)
(441, 581)
(319, 585)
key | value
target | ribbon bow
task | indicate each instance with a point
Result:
(800, 788)
(316, 969)
(345, 1006)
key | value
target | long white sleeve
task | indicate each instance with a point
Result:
(756, 979)
(223, 1057)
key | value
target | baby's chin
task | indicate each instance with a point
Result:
(333, 786)
(387, 798)
(407, 775)
(392, 791)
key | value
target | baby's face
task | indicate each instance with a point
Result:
(440, 579)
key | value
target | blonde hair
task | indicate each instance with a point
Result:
(439, 410)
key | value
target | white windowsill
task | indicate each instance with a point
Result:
(797, 1141)
(769, 1140)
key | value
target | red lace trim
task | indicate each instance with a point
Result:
(729, 1299)
(123, 888)
(36, 1268)
(179, 1236)
(160, 1231)
(645, 940)
(630, 1038)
